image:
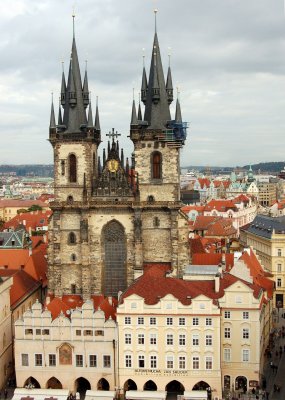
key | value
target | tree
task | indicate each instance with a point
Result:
(35, 207)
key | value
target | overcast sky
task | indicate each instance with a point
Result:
(228, 59)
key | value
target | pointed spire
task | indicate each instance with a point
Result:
(104, 157)
(63, 87)
(99, 166)
(169, 86)
(97, 120)
(157, 112)
(122, 158)
(52, 116)
(134, 119)
(90, 117)
(144, 83)
(127, 167)
(85, 88)
(178, 115)
(139, 113)
(59, 121)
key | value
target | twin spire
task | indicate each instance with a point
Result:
(74, 99)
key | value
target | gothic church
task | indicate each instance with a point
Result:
(111, 217)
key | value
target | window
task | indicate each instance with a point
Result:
(279, 252)
(182, 321)
(128, 338)
(88, 332)
(128, 361)
(25, 360)
(73, 288)
(153, 362)
(238, 299)
(195, 340)
(79, 360)
(107, 361)
(28, 331)
(195, 321)
(209, 321)
(227, 314)
(152, 338)
(209, 340)
(38, 360)
(92, 360)
(71, 238)
(133, 305)
(169, 339)
(45, 331)
(156, 222)
(279, 282)
(52, 360)
(182, 362)
(99, 333)
(227, 355)
(72, 168)
(245, 355)
(127, 320)
(279, 268)
(169, 321)
(169, 362)
(245, 315)
(141, 361)
(73, 257)
(245, 333)
(182, 340)
(62, 167)
(141, 338)
(38, 332)
(227, 333)
(209, 362)
(78, 332)
(152, 321)
(195, 362)
(140, 320)
(156, 165)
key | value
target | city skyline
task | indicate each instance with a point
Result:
(228, 63)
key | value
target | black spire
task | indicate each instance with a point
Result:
(59, 121)
(85, 89)
(156, 106)
(134, 119)
(178, 115)
(99, 166)
(90, 117)
(63, 88)
(97, 120)
(74, 107)
(52, 116)
(144, 86)
(139, 113)
(122, 158)
(169, 87)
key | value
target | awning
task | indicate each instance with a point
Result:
(100, 394)
(146, 394)
(195, 395)
(40, 394)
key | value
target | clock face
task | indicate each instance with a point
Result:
(113, 165)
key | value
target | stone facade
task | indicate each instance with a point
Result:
(6, 356)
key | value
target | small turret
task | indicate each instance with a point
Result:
(169, 87)
(90, 117)
(59, 120)
(63, 88)
(144, 86)
(178, 116)
(85, 89)
(139, 113)
(134, 119)
(97, 120)
(52, 124)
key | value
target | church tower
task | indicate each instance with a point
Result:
(112, 216)
(157, 142)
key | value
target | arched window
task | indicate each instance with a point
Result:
(72, 168)
(70, 199)
(156, 165)
(73, 257)
(71, 238)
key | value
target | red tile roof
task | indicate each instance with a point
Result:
(21, 203)
(222, 228)
(213, 259)
(68, 302)
(220, 205)
(30, 220)
(196, 245)
(186, 209)
(203, 222)
(23, 284)
(154, 284)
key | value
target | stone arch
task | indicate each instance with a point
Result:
(81, 385)
(32, 383)
(241, 383)
(150, 385)
(130, 385)
(114, 248)
(103, 384)
(202, 385)
(175, 387)
(156, 165)
(53, 383)
(72, 168)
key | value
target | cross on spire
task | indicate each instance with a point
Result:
(113, 135)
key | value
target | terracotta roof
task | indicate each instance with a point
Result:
(196, 245)
(213, 259)
(36, 266)
(30, 220)
(220, 205)
(241, 198)
(154, 285)
(223, 228)
(186, 209)
(203, 222)
(68, 302)
(23, 285)
(204, 182)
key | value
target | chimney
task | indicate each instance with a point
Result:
(110, 300)
(45, 238)
(224, 261)
(47, 300)
(24, 222)
(217, 283)
(30, 251)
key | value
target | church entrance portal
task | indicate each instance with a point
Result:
(114, 274)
